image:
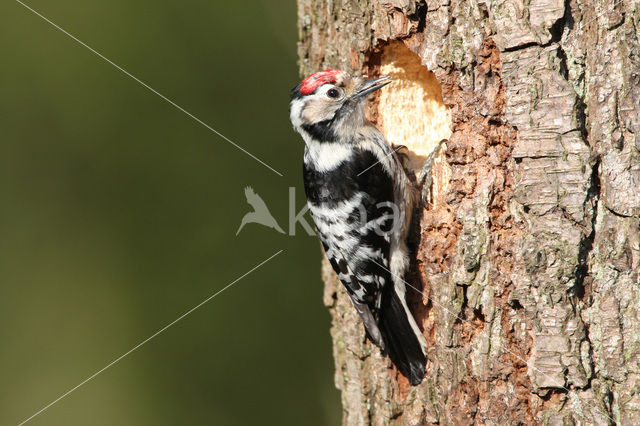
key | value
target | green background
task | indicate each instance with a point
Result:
(118, 213)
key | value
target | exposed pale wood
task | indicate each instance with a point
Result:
(528, 258)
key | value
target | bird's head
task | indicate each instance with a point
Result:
(328, 105)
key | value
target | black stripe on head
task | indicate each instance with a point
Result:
(322, 131)
(295, 93)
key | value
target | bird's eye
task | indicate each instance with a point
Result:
(333, 93)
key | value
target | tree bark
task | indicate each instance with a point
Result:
(527, 258)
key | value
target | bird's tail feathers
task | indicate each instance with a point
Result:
(404, 340)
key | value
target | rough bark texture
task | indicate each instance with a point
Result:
(528, 256)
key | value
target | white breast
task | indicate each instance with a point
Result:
(326, 156)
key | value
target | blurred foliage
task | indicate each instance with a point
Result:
(119, 213)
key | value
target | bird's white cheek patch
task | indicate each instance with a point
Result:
(295, 114)
(318, 109)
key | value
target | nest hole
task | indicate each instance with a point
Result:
(411, 111)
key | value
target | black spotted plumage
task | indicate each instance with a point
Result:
(361, 202)
(345, 180)
(375, 300)
(327, 191)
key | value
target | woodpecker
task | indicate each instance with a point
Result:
(361, 201)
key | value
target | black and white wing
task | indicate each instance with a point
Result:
(351, 224)
(352, 206)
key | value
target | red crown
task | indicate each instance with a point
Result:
(316, 80)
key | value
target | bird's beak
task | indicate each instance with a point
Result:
(371, 86)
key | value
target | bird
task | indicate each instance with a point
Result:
(361, 201)
(260, 213)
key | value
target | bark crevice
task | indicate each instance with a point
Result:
(528, 258)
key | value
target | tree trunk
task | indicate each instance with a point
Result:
(527, 258)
